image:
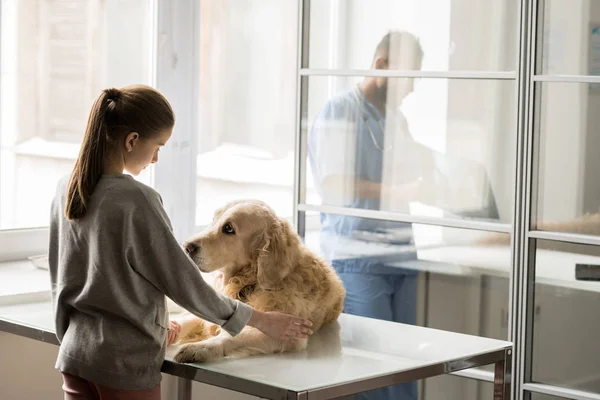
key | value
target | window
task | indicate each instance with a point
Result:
(567, 118)
(563, 300)
(561, 306)
(247, 104)
(409, 134)
(464, 129)
(56, 58)
(343, 34)
(568, 190)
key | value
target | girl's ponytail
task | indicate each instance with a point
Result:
(90, 162)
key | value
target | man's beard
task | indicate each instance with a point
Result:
(382, 93)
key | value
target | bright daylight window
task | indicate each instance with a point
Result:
(247, 104)
(55, 60)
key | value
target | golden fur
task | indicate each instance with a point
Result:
(263, 264)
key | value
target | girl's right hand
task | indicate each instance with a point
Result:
(173, 334)
(281, 326)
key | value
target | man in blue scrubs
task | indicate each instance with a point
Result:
(347, 151)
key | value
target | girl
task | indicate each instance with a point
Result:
(113, 258)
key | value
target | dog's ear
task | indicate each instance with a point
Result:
(277, 255)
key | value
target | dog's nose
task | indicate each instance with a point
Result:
(190, 248)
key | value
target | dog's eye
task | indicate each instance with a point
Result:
(228, 229)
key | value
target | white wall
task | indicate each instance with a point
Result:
(27, 372)
(27, 369)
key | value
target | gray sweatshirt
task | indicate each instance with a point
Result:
(110, 272)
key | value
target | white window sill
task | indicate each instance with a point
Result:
(22, 282)
(39, 147)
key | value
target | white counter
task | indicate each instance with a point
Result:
(349, 356)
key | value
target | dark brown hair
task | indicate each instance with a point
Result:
(115, 114)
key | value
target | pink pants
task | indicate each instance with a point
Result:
(77, 388)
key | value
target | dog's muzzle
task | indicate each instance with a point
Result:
(191, 248)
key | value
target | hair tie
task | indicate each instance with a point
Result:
(113, 94)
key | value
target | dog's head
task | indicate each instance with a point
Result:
(246, 234)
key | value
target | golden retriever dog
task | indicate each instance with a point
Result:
(261, 262)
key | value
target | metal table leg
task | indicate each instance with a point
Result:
(297, 395)
(184, 389)
(502, 377)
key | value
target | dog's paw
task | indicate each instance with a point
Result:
(198, 353)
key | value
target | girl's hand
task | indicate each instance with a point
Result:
(174, 329)
(281, 326)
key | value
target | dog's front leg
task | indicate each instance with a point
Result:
(194, 329)
(248, 342)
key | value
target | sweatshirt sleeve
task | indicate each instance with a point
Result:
(154, 253)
